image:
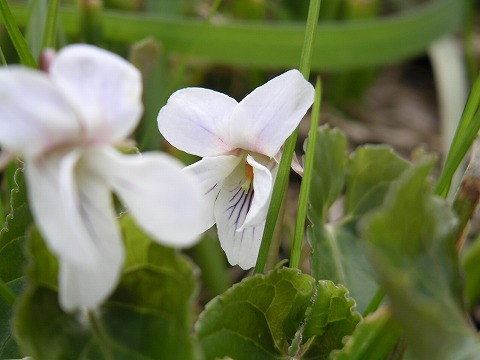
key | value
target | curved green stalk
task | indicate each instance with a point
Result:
(306, 181)
(467, 129)
(281, 181)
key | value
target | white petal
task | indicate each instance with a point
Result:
(262, 193)
(266, 117)
(195, 120)
(34, 116)
(57, 208)
(164, 201)
(74, 211)
(87, 286)
(231, 208)
(210, 173)
(104, 88)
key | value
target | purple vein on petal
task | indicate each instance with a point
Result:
(211, 189)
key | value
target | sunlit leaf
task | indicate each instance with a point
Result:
(149, 316)
(413, 252)
(285, 313)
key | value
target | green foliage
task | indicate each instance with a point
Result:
(470, 260)
(338, 45)
(338, 253)
(413, 250)
(373, 339)
(153, 301)
(277, 316)
(12, 260)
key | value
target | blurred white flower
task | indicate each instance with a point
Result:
(240, 145)
(64, 123)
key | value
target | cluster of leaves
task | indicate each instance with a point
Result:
(393, 233)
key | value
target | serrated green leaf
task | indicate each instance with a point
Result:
(12, 260)
(275, 316)
(373, 339)
(371, 169)
(149, 316)
(338, 254)
(413, 251)
(329, 170)
(12, 236)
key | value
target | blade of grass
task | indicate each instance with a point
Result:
(16, 36)
(3, 61)
(281, 181)
(466, 131)
(306, 181)
(49, 37)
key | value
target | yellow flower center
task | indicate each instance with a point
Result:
(248, 177)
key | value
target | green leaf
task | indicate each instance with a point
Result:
(285, 313)
(12, 236)
(16, 36)
(413, 252)
(371, 169)
(470, 262)
(12, 260)
(373, 339)
(338, 254)
(329, 170)
(149, 316)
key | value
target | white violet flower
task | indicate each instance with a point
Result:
(64, 123)
(240, 145)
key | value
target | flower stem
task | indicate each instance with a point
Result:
(306, 181)
(281, 182)
(16, 36)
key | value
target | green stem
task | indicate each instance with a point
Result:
(375, 302)
(6, 294)
(306, 181)
(97, 332)
(49, 38)
(16, 36)
(281, 182)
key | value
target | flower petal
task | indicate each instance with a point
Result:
(195, 120)
(88, 286)
(164, 201)
(266, 117)
(231, 209)
(210, 173)
(262, 193)
(57, 208)
(74, 211)
(34, 116)
(104, 88)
